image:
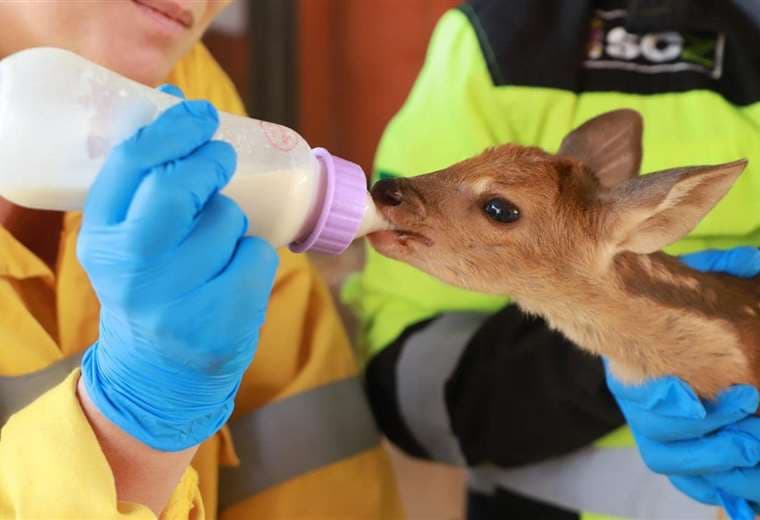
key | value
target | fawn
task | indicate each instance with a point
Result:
(575, 237)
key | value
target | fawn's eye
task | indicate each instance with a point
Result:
(501, 210)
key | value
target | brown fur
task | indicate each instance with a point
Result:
(574, 256)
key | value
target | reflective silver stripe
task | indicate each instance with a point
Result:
(599, 480)
(296, 435)
(428, 359)
(608, 481)
(18, 391)
(275, 443)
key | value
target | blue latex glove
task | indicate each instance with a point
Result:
(183, 293)
(743, 262)
(709, 450)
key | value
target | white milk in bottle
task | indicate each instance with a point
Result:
(60, 116)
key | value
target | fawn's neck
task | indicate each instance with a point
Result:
(651, 316)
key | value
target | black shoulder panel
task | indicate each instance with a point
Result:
(631, 46)
(522, 393)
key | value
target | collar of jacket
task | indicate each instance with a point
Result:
(19, 263)
(740, 18)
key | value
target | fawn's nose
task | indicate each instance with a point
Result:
(387, 193)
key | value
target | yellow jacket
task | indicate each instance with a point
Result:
(306, 443)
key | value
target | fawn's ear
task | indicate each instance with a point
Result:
(650, 212)
(609, 145)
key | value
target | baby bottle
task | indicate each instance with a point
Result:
(60, 115)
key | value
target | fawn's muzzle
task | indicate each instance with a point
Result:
(387, 193)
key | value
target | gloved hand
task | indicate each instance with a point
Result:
(183, 293)
(743, 262)
(709, 450)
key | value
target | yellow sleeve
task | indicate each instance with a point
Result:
(51, 466)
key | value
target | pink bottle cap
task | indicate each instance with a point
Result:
(343, 206)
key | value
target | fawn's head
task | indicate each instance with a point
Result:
(515, 219)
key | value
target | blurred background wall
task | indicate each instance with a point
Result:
(337, 71)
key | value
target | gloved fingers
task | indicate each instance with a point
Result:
(199, 257)
(666, 408)
(748, 428)
(736, 508)
(251, 272)
(100, 248)
(247, 280)
(171, 197)
(703, 491)
(173, 90)
(213, 241)
(741, 482)
(734, 404)
(741, 261)
(697, 488)
(668, 396)
(720, 451)
(176, 133)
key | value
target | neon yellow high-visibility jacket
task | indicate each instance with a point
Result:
(301, 445)
(468, 379)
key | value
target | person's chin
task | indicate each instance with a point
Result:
(149, 66)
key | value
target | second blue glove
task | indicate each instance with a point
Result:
(709, 450)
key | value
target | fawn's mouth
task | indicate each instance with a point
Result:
(398, 237)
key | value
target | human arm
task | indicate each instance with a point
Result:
(141, 474)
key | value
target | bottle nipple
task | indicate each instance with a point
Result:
(373, 221)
